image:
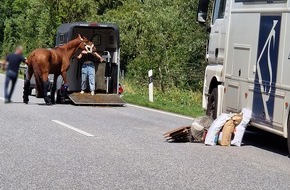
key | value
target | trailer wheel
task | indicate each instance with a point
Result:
(288, 135)
(212, 104)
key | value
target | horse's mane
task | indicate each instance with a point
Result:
(68, 44)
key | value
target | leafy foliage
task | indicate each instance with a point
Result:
(155, 34)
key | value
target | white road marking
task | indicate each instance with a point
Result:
(73, 128)
(159, 111)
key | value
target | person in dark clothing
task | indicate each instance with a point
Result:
(13, 60)
(88, 70)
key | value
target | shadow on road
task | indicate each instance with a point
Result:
(265, 140)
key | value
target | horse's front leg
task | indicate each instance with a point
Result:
(64, 76)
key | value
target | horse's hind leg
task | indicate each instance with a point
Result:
(26, 88)
(53, 89)
(45, 86)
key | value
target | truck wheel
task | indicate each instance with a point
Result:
(288, 135)
(212, 104)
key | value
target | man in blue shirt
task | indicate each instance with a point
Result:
(13, 60)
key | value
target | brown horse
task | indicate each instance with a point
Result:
(42, 62)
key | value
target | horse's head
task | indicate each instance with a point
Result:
(86, 44)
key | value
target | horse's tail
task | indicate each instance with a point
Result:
(34, 66)
(30, 58)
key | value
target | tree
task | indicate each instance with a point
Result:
(163, 36)
(155, 34)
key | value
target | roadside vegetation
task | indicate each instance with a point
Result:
(160, 35)
(174, 100)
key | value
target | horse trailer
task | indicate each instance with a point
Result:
(249, 61)
(106, 40)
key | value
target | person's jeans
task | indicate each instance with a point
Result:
(10, 76)
(88, 71)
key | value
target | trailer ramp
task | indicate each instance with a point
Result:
(97, 99)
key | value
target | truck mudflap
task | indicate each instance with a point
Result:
(97, 99)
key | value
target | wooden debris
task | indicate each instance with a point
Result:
(180, 134)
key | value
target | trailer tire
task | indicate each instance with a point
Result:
(288, 135)
(212, 104)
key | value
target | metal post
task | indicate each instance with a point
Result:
(150, 75)
(107, 57)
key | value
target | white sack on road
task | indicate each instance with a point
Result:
(241, 128)
(216, 126)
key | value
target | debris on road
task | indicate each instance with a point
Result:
(180, 134)
(194, 133)
(241, 128)
(199, 128)
(226, 130)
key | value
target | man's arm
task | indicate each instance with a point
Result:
(98, 56)
(6, 62)
(81, 54)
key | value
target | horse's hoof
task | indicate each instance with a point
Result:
(25, 101)
(48, 103)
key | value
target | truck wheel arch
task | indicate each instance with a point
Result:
(213, 84)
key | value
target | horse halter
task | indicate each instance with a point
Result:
(89, 48)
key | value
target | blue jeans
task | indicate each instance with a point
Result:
(11, 76)
(88, 71)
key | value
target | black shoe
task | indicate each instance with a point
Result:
(7, 101)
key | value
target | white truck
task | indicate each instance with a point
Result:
(249, 61)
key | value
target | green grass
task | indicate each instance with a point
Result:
(183, 102)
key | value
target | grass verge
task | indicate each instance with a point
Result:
(183, 102)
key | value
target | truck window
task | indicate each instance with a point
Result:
(219, 10)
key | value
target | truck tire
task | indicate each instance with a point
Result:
(288, 135)
(212, 104)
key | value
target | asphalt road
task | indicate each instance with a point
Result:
(76, 147)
